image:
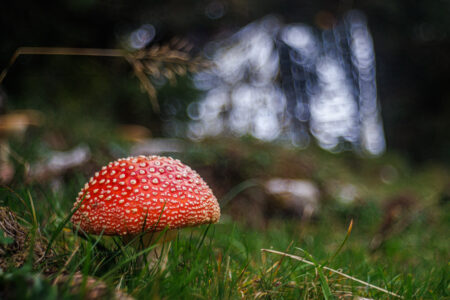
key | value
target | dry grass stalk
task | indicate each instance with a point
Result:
(333, 271)
(168, 60)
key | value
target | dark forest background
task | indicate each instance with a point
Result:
(411, 40)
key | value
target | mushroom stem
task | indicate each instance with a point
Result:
(159, 254)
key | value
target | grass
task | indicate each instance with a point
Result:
(226, 261)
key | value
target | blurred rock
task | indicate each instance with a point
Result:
(157, 146)
(14, 124)
(17, 122)
(59, 163)
(295, 195)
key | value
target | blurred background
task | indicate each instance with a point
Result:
(301, 116)
(243, 90)
(365, 76)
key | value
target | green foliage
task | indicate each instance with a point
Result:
(224, 261)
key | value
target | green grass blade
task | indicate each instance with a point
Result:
(349, 230)
(60, 227)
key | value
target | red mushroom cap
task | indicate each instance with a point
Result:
(142, 193)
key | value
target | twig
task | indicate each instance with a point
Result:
(332, 270)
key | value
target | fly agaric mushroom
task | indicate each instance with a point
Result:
(140, 195)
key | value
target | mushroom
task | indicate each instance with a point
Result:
(135, 197)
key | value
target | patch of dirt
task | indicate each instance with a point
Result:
(15, 252)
